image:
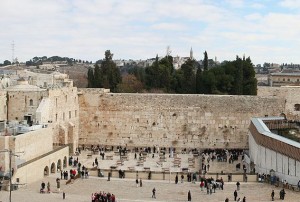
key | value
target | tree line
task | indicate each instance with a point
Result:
(230, 77)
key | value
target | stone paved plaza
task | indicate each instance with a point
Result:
(125, 190)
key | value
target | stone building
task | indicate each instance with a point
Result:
(39, 123)
(284, 79)
(273, 153)
(66, 117)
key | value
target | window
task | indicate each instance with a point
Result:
(66, 98)
(75, 113)
(30, 102)
(56, 102)
(297, 80)
(297, 107)
(70, 115)
(288, 79)
(64, 116)
(283, 79)
(56, 117)
(2, 126)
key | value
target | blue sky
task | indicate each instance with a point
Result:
(267, 31)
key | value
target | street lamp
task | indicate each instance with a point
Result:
(10, 169)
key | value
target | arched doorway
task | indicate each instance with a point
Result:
(53, 168)
(58, 165)
(46, 171)
(65, 162)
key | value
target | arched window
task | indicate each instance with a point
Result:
(30, 102)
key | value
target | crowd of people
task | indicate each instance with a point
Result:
(103, 197)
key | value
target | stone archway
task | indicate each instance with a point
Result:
(65, 162)
(46, 171)
(53, 168)
(59, 167)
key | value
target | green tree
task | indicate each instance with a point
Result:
(6, 62)
(97, 79)
(205, 61)
(91, 78)
(111, 73)
(130, 84)
(188, 82)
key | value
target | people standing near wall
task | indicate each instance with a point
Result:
(48, 187)
(137, 182)
(58, 184)
(182, 177)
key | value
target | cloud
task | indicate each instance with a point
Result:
(292, 4)
(141, 29)
(168, 26)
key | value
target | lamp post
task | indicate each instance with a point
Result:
(10, 169)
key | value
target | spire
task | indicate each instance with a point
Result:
(191, 54)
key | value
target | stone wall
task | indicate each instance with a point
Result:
(3, 106)
(65, 114)
(27, 146)
(19, 104)
(290, 95)
(34, 171)
(207, 121)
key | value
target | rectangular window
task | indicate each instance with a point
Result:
(70, 115)
(2, 126)
(56, 117)
(75, 113)
(63, 116)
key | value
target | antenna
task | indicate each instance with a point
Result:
(13, 51)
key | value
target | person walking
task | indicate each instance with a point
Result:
(238, 185)
(244, 199)
(176, 179)
(141, 183)
(48, 187)
(64, 195)
(1, 182)
(189, 196)
(235, 194)
(272, 195)
(182, 177)
(282, 194)
(153, 193)
(227, 200)
(137, 182)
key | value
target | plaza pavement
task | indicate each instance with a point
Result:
(126, 190)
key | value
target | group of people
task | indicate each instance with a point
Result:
(43, 188)
(139, 183)
(103, 197)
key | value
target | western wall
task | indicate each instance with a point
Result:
(169, 120)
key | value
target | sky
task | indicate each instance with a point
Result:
(265, 30)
